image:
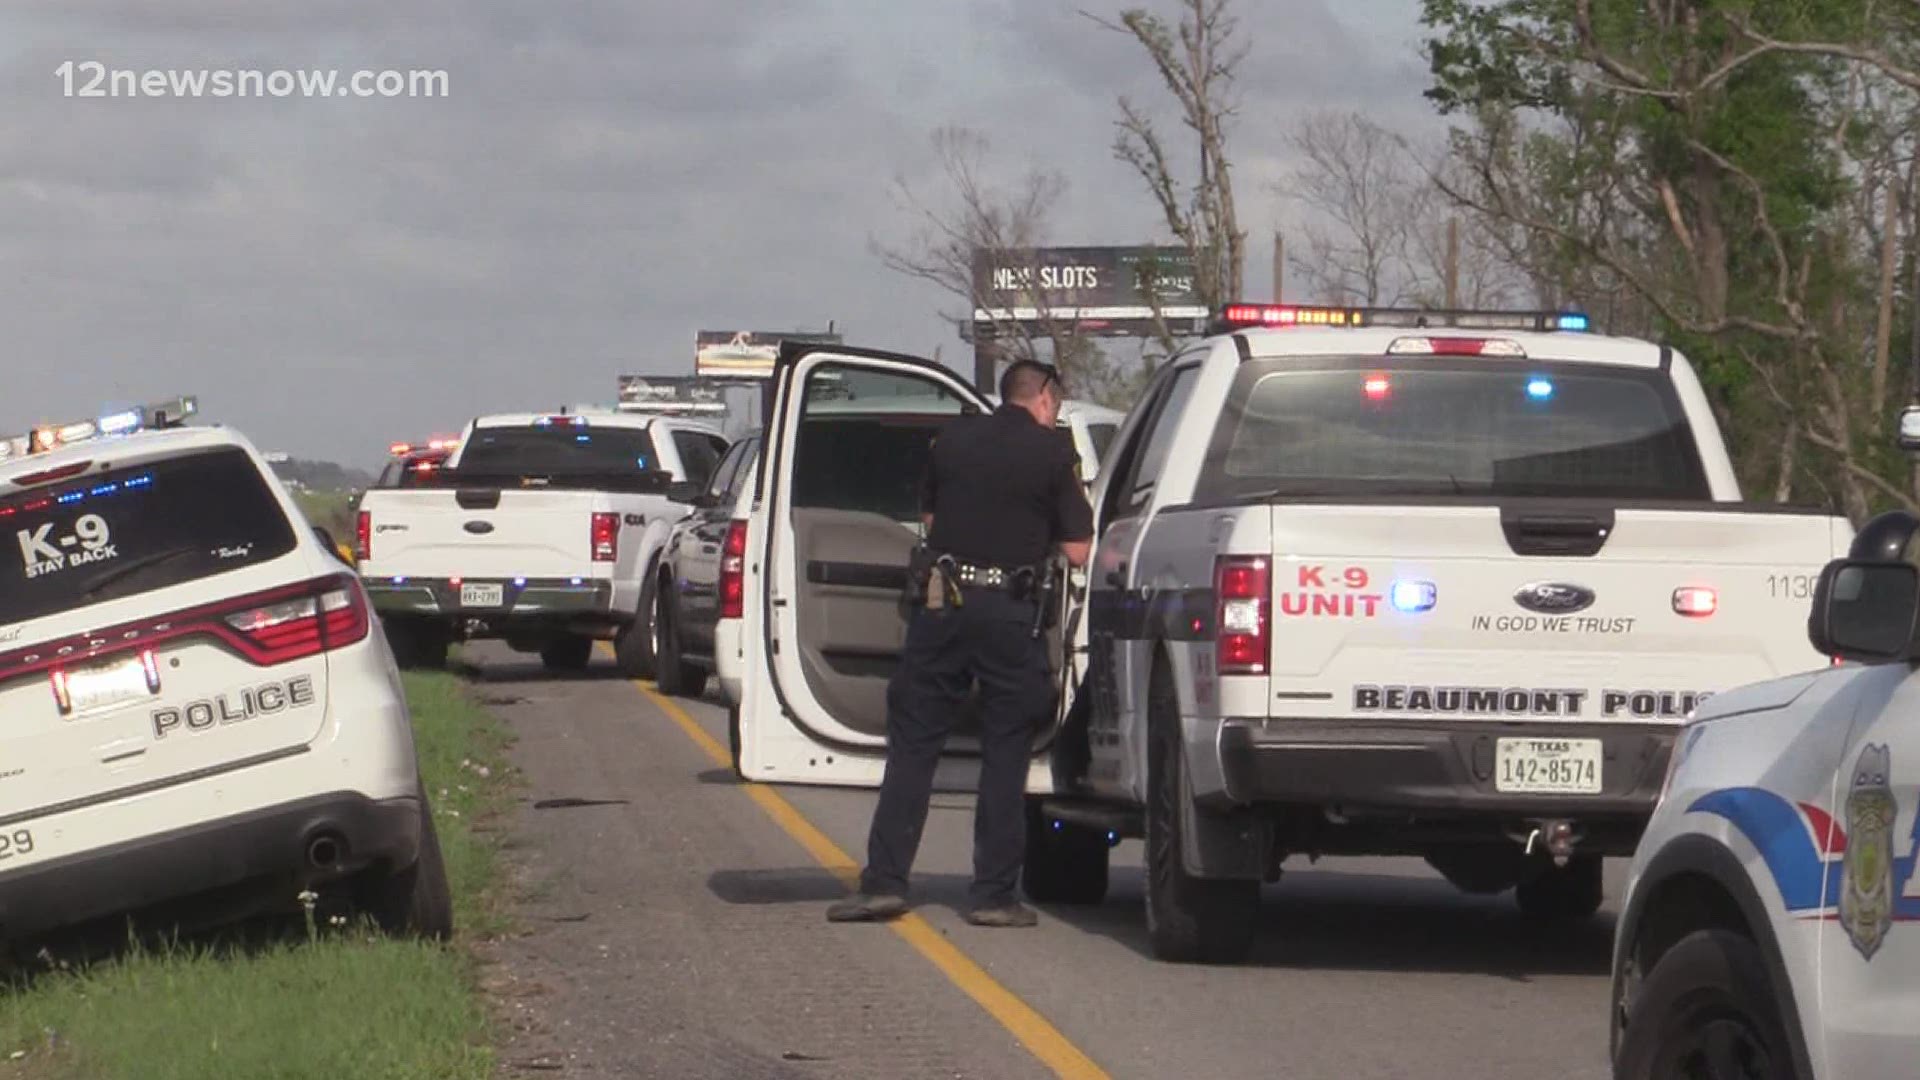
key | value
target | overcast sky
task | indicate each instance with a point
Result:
(605, 178)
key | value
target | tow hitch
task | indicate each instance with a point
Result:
(1556, 837)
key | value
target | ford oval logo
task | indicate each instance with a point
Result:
(1554, 598)
(479, 528)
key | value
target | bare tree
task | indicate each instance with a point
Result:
(974, 216)
(1377, 228)
(1197, 59)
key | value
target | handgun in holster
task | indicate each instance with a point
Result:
(1046, 610)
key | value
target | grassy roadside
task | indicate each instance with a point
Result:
(347, 1004)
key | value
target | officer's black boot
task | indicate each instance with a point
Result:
(1010, 914)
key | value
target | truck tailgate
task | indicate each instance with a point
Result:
(429, 533)
(1470, 612)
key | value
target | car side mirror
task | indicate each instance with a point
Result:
(685, 491)
(1865, 611)
(1909, 432)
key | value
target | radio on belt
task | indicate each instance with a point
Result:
(47, 437)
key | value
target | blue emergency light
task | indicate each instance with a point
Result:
(165, 414)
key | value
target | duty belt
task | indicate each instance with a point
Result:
(991, 577)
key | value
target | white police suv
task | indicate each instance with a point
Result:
(194, 700)
(1772, 921)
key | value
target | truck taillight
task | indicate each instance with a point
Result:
(363, 536)
(733, 571)
(606, 537)
(1242, 619)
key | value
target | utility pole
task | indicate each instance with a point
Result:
(1453, 264)
(1279, 267)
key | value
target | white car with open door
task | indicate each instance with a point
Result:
(197, 700)
(1364, 582)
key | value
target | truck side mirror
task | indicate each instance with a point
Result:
(1909, 434)
(1865, 611)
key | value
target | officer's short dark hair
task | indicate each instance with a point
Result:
(1025, 379)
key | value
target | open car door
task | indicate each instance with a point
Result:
(837, 514)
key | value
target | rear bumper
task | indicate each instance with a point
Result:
(264, 849)
(524, 599)
(1430, 769)
(727, 658)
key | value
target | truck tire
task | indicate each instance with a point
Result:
(416, 901)
(675, 676)
(733, 741)
(1709, 995)
(1066, 863)
(567, 652)
(1189, 919)
(1563, 893)
(633, 649)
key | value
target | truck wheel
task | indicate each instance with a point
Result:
(1562, 893)
(1189, 919)
(1706, 1009)
(675, 676)
(633, 649)
(417, 901)
(1066, 863)
(568, 652)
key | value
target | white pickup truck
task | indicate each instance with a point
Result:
(539, 531)
(1364, 582)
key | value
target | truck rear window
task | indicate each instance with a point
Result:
(1437, 427)
(580, 458)
(133, 530)
(558, 450)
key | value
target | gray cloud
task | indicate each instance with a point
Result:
(606, 178)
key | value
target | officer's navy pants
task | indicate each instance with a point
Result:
(947, 649)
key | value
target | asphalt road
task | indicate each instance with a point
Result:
(675, 928)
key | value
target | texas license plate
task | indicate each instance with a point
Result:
(1547, 766)
(482, 595)
(106, 686)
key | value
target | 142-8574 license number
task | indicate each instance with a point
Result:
(1548, 766)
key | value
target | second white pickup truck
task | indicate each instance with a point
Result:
(539, 531)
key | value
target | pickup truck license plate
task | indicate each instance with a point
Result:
(107, 686)
(472, 595)
(1547, 766)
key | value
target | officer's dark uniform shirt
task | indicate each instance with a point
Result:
(1003, 490)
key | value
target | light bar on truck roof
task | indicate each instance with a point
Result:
(164, 414)
(1249, 316)
(437, 444)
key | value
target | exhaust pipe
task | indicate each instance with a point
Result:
(325, 850)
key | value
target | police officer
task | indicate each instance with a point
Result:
(1001, 492)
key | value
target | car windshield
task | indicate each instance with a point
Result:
(129, 531)
(1433, 427)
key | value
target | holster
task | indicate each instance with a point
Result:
(919, 573)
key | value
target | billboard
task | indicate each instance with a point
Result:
(1101, 288)
(745, 354)
(674, 394)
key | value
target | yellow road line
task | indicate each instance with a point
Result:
(1033, 1031)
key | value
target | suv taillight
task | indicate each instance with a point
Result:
(265, 628)
(1242, 615)
(733, 571)
(333, 615)
(363, 536)
(606, 537)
